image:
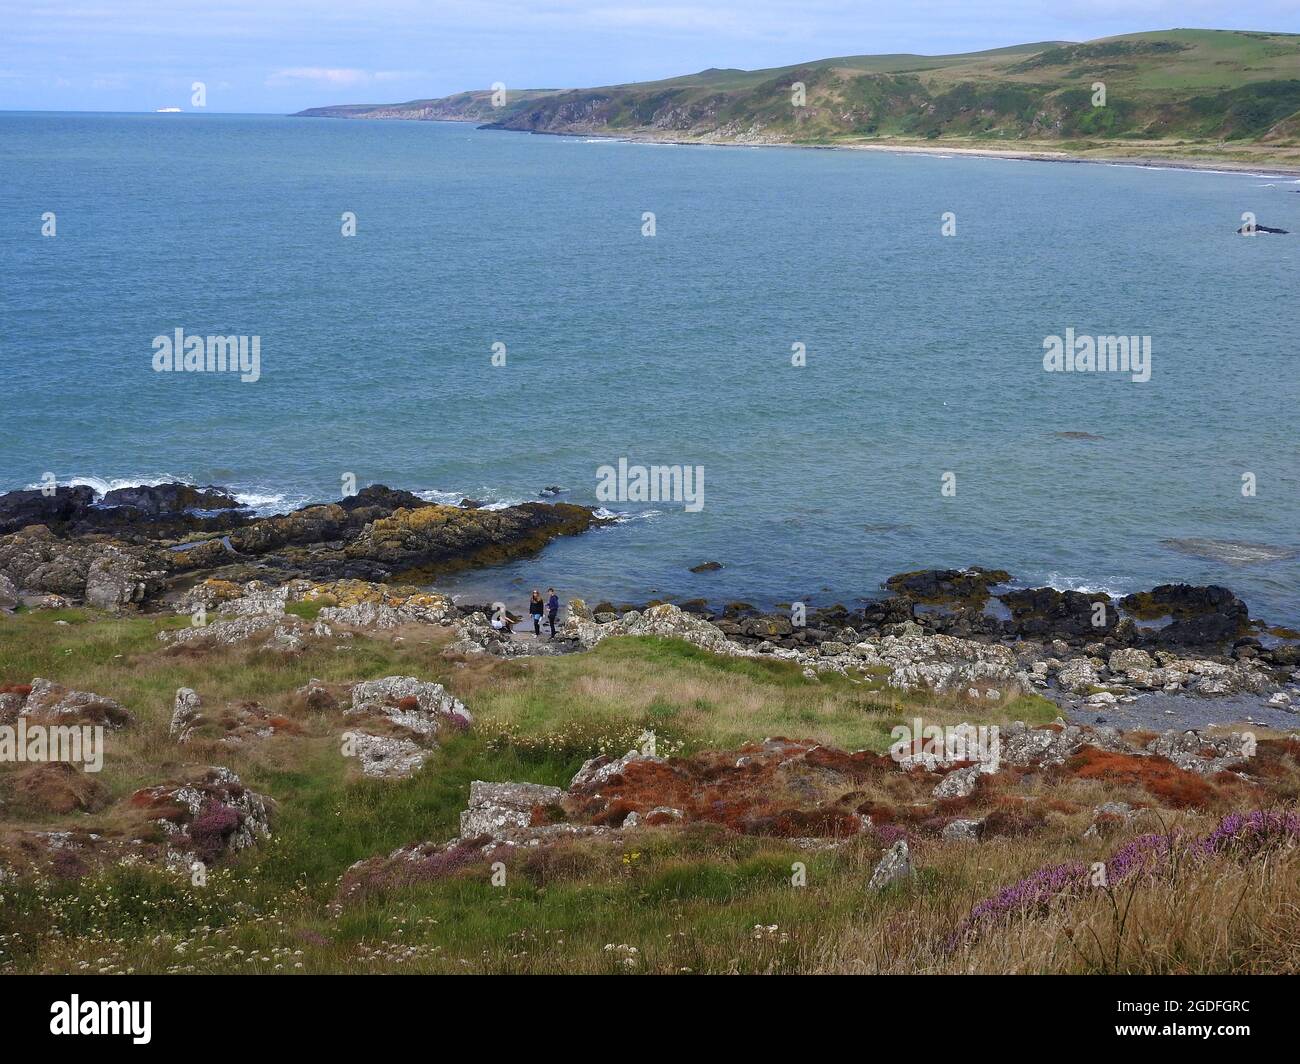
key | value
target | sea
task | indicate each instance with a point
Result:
(844, 350)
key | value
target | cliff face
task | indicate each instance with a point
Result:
(1205, 85)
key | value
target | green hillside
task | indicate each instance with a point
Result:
(1233, 92)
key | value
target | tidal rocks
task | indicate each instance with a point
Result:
(1200, 616)
(939, 663)
(139, 513)
(59, 543)
(1078, 676)
(706, 567)
(19, 509)
(1045, 613)
(170, 498)
(116, 579)
(115, 575)
(413, 539)
(1130, 660)
(947, 585)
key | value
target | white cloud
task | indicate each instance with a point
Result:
(320, 75)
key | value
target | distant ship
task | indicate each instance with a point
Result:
(167, 110)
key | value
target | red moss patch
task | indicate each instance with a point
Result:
(1158, 776)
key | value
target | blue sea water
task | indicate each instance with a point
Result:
(924, 352)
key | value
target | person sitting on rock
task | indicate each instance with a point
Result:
(536, 607)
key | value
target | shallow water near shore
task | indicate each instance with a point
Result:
(924, 352)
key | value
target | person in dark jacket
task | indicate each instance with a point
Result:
(537, 607)
(552, 609)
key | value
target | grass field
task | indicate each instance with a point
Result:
(695, 899)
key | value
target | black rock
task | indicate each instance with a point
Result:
(171, 498)
(21, 508)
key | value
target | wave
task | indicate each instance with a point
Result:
(103, 485)
(622, 517)
(1114, 586)
(262, 501)
(488, 498)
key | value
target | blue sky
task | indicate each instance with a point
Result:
(284, 55)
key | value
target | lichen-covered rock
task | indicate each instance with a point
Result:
(598, 770)
(106, 575)
(1077, 676)
(387, 757)
(959, 783)
(207, 813)
(9, 599)
(664, 620)
(52, 703)
(394, 723)
(895, 865)
(1040, 747)
(431, 701)
(282, 632)
(962, 828)
(1129, 659)
(1206, 755)
(502, 810)
(940, 663)
(185, 714)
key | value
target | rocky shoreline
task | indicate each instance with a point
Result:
(137, 547)
(362, 560)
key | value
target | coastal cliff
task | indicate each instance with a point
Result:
(1224, 91)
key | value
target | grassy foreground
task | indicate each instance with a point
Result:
(696, 899)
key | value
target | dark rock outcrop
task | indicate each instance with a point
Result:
(122, 556)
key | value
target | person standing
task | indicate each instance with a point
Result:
(536, 607)
(552, 609)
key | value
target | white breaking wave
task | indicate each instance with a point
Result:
(1113, 586)
(491, 499)
(622, 517)
(102, 486)
(261, 501)
(267, 503)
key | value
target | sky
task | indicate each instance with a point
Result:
(279, 56)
